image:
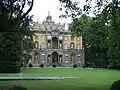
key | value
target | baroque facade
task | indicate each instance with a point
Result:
(55, 45)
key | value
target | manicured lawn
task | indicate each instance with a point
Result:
(86, 79)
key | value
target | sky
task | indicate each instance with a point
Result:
(41, 8)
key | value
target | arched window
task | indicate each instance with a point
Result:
(73, 58)
(36, 57)
(36, 44)
(72, 45)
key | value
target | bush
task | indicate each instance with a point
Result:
(41, 65)
(18, 88)
(30, 65)
(10, 67)
(74, 65)
(115, 85)
(54, 66)
(114, 67)
(84, 66)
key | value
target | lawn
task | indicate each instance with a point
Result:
(86, 79)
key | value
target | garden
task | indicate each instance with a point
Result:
(85, 79)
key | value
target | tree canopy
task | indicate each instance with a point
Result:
(15, 34)
(100, 33)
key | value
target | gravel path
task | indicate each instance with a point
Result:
(33, 78)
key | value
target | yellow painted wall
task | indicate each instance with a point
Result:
(40, 40)
(75, 41)
(54, 26)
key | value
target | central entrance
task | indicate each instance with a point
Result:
(55, 57)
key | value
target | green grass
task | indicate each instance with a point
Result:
(86, 79)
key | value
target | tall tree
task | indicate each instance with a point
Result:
(108, 22)
(93, 37)
(15, 24)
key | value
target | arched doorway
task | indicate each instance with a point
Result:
(55, 43)
(73, 58)
(36, 57)
(54, 57)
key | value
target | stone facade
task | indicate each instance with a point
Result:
(55, 45)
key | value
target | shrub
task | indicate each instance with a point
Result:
(115, 85)
(41, 65)
(54, 66)
(114, 67)
(17, 88)
(74, 65)
(30, 65)
(84, 66)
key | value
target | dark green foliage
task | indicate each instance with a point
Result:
(84, 66)
(115, 85)
(114, 67)
(92, 39)
(15, 24)
(41, 65)
(70, 8)
(18, 88)
(54, 66)
(12, 67)
(101, 37)
(30, 65)
(75, 66)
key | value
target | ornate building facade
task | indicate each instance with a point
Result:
(55, 45)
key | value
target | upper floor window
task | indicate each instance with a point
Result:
(49, 43)
(51, 28)
(66, 46)
(72, 38)
(36, 37)
(45, 27)
(60, 37)
(49, 37)
(60, 44)
(66, 38)
(36, 44)
(42, 45)
(72, 45)
(42, 37)
(78, 46)
(78, 38)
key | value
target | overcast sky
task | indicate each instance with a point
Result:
(41, 8)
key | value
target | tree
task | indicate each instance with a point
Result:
(15, 24)
(106, 23)
(112, 12)
(93, 37)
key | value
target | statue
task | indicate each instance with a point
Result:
(60, 45)
(49, 45)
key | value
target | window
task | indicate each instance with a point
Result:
(43, 57)
(42, 45)
(72, 45)
(36, 37)
(36, 44)
(60, 44)
(60, 37)
(66, 46)
(66, 38)
(49, 37)
(78, 46)
(72, 38)
(78, 38)
(42, 37)
(49, 43)
(51, 28)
